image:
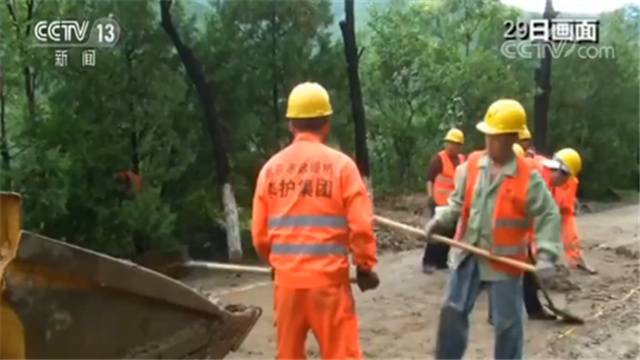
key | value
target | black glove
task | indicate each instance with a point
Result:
(273, 274)
(367, 280)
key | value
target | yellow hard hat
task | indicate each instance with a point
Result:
(518, 150)
(503, 117)
(524, 134)
(455, 135)
(308, 100)
(570, 160)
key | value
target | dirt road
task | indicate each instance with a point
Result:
(399, 319)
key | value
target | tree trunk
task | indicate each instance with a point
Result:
(135, 152)
(29, 87)
(541, 100)
(274, 73)
(206, 95)
(347, 27)
(231, 217)
(27, 72)
(134, 135)
(4, 144)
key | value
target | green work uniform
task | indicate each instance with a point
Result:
(540, 207)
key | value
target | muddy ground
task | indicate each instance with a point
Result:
(399, 319)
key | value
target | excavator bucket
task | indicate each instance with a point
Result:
(63, 301)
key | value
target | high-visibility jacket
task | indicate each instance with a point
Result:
(310, 209)
(565, 196)
(510, 220)
(443, 185)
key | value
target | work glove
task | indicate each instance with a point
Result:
(273, 274)
(367, 280)
(545, 267)
(432, 227)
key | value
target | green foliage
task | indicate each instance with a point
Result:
(597, 111)
(426, 73)
(427, 65)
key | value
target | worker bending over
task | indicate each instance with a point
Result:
(497, 196)
(563, 184)
(440, 185)
(563, 187)
(310, 210)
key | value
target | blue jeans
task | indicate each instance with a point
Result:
(505, 301)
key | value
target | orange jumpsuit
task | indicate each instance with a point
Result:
(311, 209)
(565, 197)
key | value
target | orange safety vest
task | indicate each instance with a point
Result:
(444, 184)
(511, 223)
(316, 209)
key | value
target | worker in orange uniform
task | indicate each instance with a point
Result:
(440, 184)
(498, 196)
(563, 183)
(525, 140)
(532, 304)
(311, 209)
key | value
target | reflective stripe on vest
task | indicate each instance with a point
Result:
(512, 223)
(509, 250)
(339, 222)
(444, 179)
(309, 249)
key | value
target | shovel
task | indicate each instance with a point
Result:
(562, 314)
(237, 268)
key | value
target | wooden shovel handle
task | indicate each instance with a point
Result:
(235, 267)
(229, 267)
(459, 244)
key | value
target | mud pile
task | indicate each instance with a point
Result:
(409, 209)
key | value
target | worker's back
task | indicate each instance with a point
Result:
(311, 209)
(307, 187)
(303, 179)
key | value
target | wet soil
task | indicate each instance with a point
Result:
(399, 319)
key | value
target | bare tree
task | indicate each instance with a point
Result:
(543, 83)
(4, 142)
(207, 96)
(347, 27)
